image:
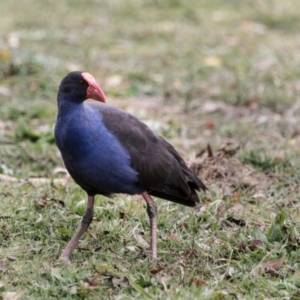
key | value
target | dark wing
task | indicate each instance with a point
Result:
(162, 172)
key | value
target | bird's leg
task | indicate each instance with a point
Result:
(85, 223)
(152, 213)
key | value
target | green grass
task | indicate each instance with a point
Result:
(166, 62)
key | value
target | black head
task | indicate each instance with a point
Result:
(78, 86)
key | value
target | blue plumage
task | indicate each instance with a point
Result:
(93, 156)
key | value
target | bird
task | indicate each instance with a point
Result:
(108, 151)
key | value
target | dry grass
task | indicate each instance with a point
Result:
(197, 72)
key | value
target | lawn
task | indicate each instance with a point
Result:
(218, 79)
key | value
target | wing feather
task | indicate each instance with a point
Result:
(162, 172)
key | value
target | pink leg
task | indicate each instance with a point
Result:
(152, 213)
(85, 223)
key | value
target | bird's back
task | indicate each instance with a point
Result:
(162, 172)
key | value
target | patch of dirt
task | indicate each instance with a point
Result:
(222, 169)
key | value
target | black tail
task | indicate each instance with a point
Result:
(178, 195)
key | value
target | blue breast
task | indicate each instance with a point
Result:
(93, 156)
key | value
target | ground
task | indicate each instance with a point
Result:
(218, 79)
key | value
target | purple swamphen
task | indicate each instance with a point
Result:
(107, 151)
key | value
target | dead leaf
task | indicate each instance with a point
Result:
(55, 273)
(2, 124)
(203, 246)
(212, 61)
(209, 125)
(11, 258)
(62, 203)
(272, 266)
(164, 279)
(59, 170)
(73, 67)
(174, 237)
(140, 240)
(229, 273)
(12, 295)
(279, 159)
(236, 221)
(236, 197)
(256, 244)
(36, 250)
(206, 200)
(241, 247)
(40, 203)
(91, 284)
(13, 40)
(132, 248)
(210, 107)
(209, 151)
(6, 178)
(221, 295)
(198, 282)
(3, 265)
(295, 133)
(5, 91)
(253, 27)
(296, 295)
(5, 54)
(252, 101)
(113, 81)
(222, 207)
(260, 196)
(238, 207)
(177, 83)
(291, 200)
(119, 281)
(156, 270)
(229, 149)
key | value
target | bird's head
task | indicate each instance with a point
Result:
(78, 86)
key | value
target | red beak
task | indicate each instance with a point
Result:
(93, 91)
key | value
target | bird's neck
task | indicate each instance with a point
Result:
(66, 105)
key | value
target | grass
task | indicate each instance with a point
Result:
(197, 72)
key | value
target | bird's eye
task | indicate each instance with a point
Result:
(81, 82)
